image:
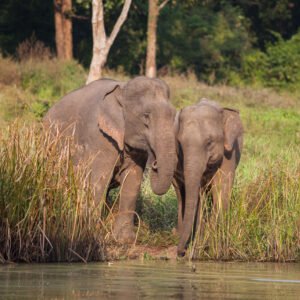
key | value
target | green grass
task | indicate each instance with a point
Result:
(46, 206)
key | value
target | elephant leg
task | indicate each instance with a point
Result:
(222, 185)
(101, 175)
(131, 180)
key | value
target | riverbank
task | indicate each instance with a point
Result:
(147, 279)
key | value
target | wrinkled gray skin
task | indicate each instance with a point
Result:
(210, 140)
(121, 125)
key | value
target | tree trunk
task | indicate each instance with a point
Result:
(63, 29)
(151, 38)
(59, 33)
(67, 26)
(102, 43)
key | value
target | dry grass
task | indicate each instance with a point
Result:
(186, 90)
(263, 223)
(47, 207)
(47, 211)
(9, 72)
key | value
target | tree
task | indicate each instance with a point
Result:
(153, 13)
(102, 43)
(63, 29)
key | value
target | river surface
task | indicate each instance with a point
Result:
(150, 280)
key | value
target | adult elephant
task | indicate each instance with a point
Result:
(210, 140)
(120, 126)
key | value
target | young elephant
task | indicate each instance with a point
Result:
(120, 125)
(210, 140)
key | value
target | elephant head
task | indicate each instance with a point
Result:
(138, 115)
(206, 132)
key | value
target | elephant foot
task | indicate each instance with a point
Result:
(180, 252)
(123, 232)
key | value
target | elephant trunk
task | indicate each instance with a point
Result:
(194, 167)
(163, 167)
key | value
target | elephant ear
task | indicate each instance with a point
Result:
(233, 127)
(111, 119)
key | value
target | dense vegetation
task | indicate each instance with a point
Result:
(46, 207)
(238, 42)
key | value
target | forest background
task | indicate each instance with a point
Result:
(237, 42)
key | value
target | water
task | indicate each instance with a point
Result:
(150, 280)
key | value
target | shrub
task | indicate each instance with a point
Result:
(283, 66)
(51, 79)
(278, 67)
(9, 71)
(33, 49)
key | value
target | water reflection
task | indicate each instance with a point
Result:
(136, 280)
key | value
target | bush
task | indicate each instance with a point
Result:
(9, 72)
(33, 85)
(278, 67)
(51, 79)
(33, 49)
(209, 39)
(283, 64)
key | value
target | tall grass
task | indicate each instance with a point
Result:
(263, 222)
(47, 209)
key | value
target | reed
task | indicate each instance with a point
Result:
(48, 213)
(47, 209)
(262, 224)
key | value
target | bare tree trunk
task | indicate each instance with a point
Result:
(151, 38)
(153, 13)
(59, 33)
(102, 43)
(63, 29)
(67, 26)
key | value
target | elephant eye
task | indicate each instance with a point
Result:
(146, 119)
(209, 142)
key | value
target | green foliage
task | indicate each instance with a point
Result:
(32, 86)
(278, 67)
(209, 41)
(159, 213)
(269, 16)
(283, 64)
(230, 41)
(50, 79)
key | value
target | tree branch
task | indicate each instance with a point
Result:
(162, 5)
(84, 18)
(119, 23)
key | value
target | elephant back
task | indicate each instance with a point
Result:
(80, 109)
